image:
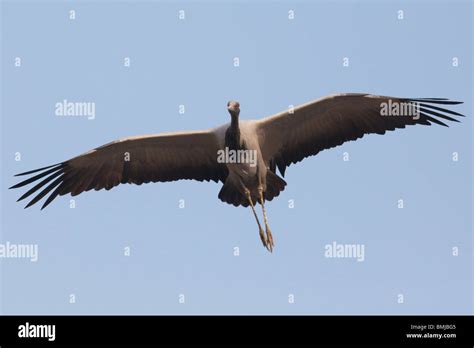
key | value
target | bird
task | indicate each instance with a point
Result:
(249, 157)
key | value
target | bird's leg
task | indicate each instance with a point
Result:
(262, 235)
(270, 243)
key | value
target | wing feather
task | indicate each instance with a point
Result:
(134, 160)
(287, 138)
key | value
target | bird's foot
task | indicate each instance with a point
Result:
(263, 238)
(270, 245)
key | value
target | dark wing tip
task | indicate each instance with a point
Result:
(52, 176)
(451, 112)
(53, 169)
(39, 169)
(432, 113)
(434, 120)
(45, 191)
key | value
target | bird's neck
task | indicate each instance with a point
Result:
(235, 122)
(232, 135)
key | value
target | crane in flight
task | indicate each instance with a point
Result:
(243, 155)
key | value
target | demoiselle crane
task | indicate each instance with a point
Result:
(243, 155)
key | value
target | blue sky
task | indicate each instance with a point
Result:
(190, 251)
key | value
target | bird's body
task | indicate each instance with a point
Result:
(242, 175)
(260, 148)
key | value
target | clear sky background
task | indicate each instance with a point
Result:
(190, 251)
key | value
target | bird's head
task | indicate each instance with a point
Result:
(233, 107)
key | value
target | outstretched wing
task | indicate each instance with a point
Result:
(134, 160)
(289, 137)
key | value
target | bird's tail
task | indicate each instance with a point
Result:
(231, 195)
